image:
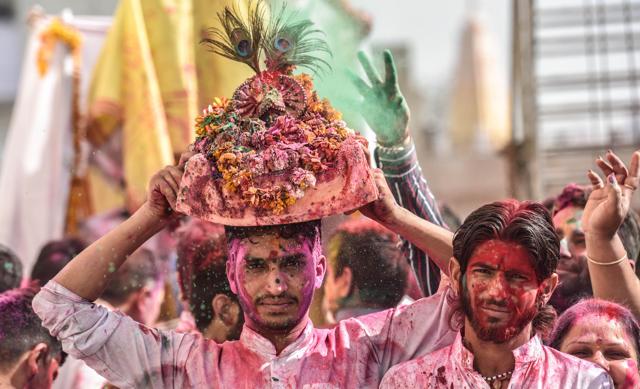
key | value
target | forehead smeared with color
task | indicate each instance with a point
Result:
(301, 233)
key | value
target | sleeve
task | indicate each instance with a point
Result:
(404, 333)
(410, 189)
(128, 354)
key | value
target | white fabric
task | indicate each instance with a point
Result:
(38, 156)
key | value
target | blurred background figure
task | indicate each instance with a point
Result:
(602, 332)
(137, 289)
(572, 269)
(29, 356)
(10, 269)
(367, 270)
(209, 305)
(53, 257)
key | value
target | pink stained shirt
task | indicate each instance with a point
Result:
(354, 354)
(537, 366)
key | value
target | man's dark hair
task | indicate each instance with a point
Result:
(572, 195)
(310, 230)
(20, 328)
(139, 269)
(526, 223)
(53, 257)
(202, 258)
(375, 258)
(594, 306)
(10, 269)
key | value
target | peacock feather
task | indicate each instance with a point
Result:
(294, 42)
(284, 40)
(240, 39)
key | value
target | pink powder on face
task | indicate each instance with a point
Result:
(632, 378)
(238, 249)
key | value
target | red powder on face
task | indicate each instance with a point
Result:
(502, 287)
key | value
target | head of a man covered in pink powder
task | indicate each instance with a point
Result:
(274, 271)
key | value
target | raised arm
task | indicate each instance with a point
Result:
(612, 276)
(432, 239)
(386, 111)
(89, 273)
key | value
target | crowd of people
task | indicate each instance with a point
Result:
(521, 295)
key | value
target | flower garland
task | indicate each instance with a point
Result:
(56, 31)
(247, 152)
(78, 203)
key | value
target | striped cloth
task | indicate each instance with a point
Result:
(410, 189)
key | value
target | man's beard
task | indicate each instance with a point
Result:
(496, 334)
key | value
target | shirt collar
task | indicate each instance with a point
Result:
(528, 352)
(261, 345)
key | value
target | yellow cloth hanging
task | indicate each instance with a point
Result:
(151, 80)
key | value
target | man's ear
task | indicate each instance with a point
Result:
(455, 274)
(141, 297)
(231, 275)
(342, 283)
(223, 308)
(320, 268)
(547, 287)
(37, 357)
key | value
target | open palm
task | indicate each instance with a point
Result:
(609, 202)
(383, 106)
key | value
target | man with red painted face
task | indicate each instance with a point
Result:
(274, 272)
(503, 274)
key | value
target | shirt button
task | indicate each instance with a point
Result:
(275, 379)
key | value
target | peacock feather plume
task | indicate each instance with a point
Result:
(290, 41)
(284, 40)
(240, 38)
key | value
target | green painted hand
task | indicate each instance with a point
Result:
(383, 107)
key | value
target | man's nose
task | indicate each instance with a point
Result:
(498, 286)
(276, 283)
(564, 249)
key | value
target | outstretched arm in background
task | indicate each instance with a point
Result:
(612, 276)
(386, 111)
(90, 272)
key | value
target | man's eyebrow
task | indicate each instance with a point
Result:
(253, 259)
(298, 256)
(484, 265)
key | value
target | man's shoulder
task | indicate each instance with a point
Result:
(425, 364)
(419, 371)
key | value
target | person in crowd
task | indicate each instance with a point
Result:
(29, 355)
(211, 307)
(366, 270)
(137, 288)
(53, 257)
(10, 269)
(274, 271)
(601, 332)
(572, 269)
(503, 274)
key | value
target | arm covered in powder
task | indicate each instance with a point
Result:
(128, 354)
(612, 276)
(90, 272)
